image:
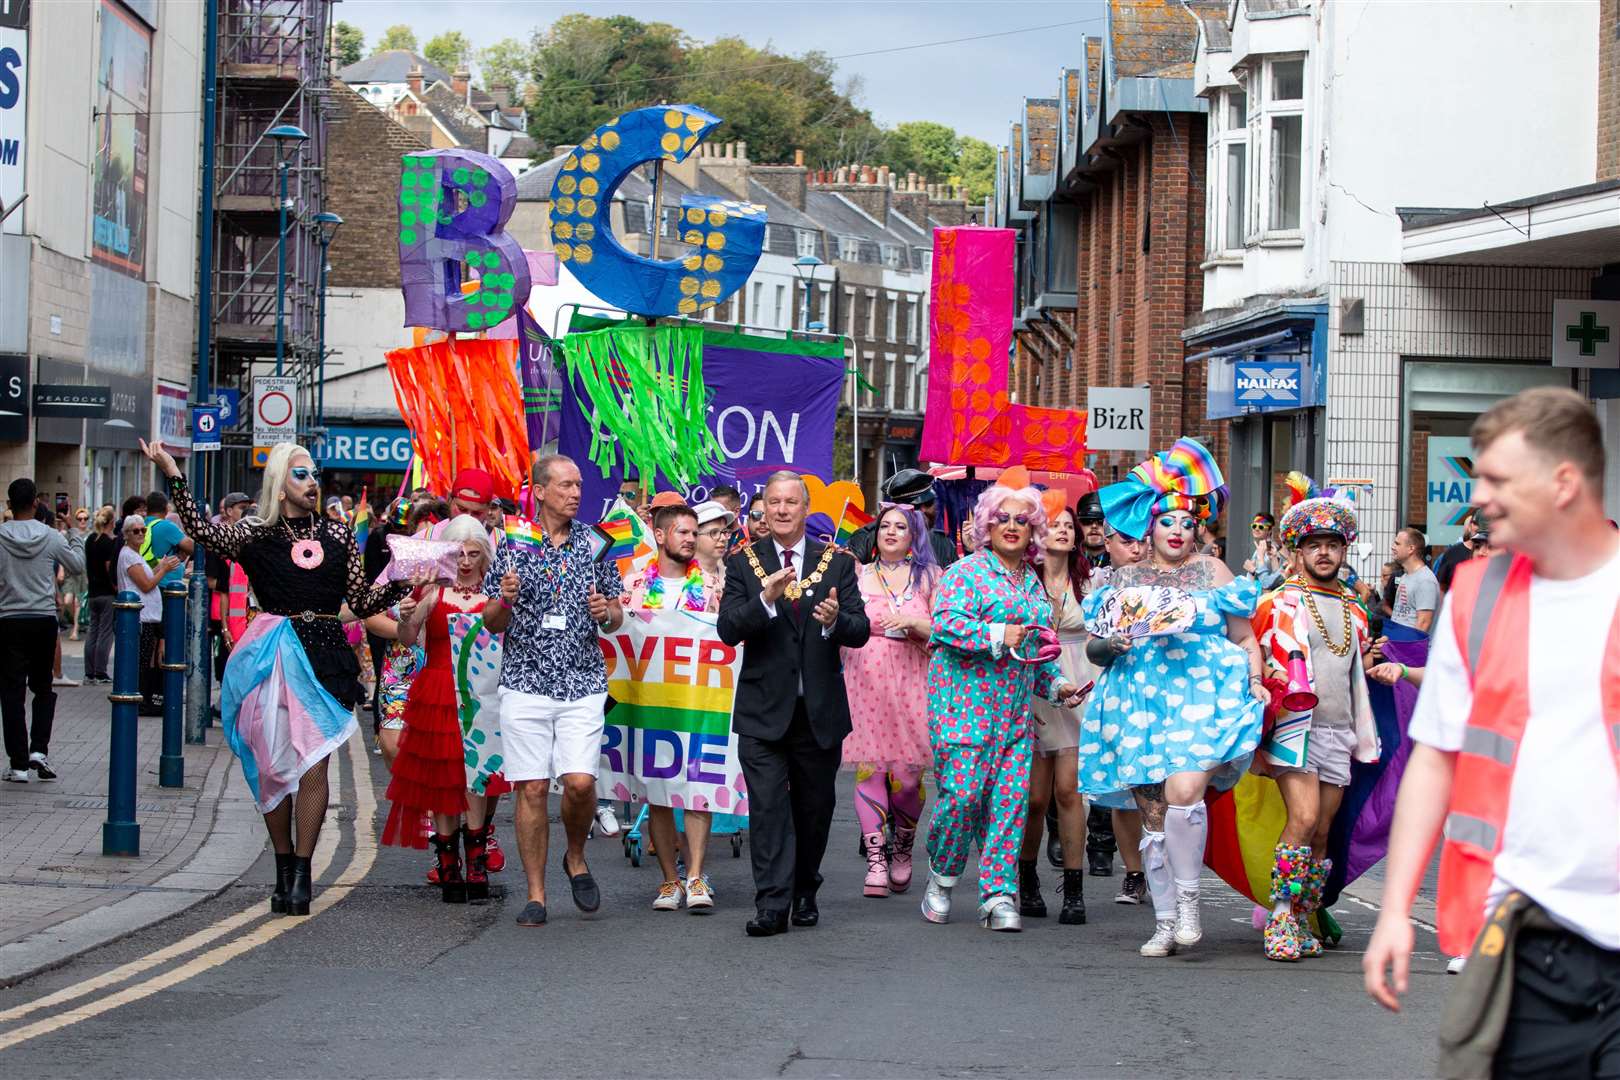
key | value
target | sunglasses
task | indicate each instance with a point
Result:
(1001, 517)
(1259, 526)
(137, 529)
(756, 515)
(303, 472)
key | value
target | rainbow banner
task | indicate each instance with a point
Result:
(667, 736)
(850, 522)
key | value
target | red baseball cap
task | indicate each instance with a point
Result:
(474, 486)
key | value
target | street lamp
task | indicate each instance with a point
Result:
(328, 223)
(806, 266)
(286, 136)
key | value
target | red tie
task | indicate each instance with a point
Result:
(787, 563)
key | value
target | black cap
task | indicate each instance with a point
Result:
(233, 499)
(1089, 507)
(910, 486)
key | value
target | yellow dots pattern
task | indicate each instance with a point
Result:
(610, 141)
(567, 184)
(589, 186)
(671, 142)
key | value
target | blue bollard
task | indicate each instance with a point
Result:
(171, 762)
(120, 835)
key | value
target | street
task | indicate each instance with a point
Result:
(384, 980)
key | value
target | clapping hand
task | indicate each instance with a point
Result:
(826, 612)
(776, 585)
(157, 455)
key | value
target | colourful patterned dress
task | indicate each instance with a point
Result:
(1176, 703)
(979, 717)
(887, 680)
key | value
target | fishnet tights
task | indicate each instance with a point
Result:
(310, 799)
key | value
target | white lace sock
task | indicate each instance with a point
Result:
(1157, 871)
(1186, 830)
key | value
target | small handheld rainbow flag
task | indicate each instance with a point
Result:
(521, 534)
(849, 522)
(362, 520)
(626, 538)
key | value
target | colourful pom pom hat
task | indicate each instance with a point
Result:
(1315, 513)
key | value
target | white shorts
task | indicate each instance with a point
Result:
(1328, 754)
(543, 738)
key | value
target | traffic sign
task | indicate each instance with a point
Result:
(275, 409)
(205, 427)
(229, 400)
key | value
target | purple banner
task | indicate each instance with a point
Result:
(769, 409)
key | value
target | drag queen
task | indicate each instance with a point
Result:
(981, 677)
(292, 682)
(1173, 714)
(886, 680)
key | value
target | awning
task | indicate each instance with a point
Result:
(1576, 227)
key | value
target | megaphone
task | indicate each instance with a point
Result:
(1298, 697)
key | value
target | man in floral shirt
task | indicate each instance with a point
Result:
(552, 598)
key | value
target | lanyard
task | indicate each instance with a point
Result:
(555, 562)
(895, 602)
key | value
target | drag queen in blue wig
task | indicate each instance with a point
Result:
(1180, 701)
(292, 682)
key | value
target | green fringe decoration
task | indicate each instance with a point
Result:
(648, 401)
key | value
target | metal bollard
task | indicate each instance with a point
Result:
(171, 762)
(120, 835)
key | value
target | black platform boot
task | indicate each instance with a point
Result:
(284, 876)
(299, 889)
(1030, 904)
(452, 886)
(1074, 898)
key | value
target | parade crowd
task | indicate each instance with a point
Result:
(1089, 675)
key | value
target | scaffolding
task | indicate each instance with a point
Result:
(273, 70)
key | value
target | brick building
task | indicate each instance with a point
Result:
(1105, 183)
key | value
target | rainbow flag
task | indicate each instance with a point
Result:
(522, 534)
(362, 520)
(849, 522)
(626, 539)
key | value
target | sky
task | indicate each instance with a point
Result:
(975, 86)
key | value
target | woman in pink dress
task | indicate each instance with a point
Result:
(887, 680)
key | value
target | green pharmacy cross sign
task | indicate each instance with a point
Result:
(1588, 333)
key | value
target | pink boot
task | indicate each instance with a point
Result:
(900, 860)
(877, 865)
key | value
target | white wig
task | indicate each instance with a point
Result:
(275, 478)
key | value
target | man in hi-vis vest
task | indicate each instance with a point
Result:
(1516, 760)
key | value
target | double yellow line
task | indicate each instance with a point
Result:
(365, 855)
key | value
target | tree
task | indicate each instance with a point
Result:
(508, 62)
(450, 50)
(399, 36)
(924, 147)
(348, 43)
(976, 169)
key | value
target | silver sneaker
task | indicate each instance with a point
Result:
(1163, 941)
(936, 901)
(1000, 913)
(1189, 927)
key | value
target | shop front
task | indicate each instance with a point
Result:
(1266, 376)
(370, 458)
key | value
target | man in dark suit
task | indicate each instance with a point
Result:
(792, 603)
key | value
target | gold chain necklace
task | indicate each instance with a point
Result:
(1321, 626)
(799, 586)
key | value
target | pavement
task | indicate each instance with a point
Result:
(59, 895)
(384, 980)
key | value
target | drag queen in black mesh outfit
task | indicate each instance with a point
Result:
(292, 682)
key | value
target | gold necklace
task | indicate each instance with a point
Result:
(798, 586)
(1321, 626)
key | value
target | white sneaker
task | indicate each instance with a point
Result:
(936, 901)
(63, 680)
(15, 776)
(1455, 965)
(699, 898)
(1163, 941)
(1189, 927)
(670, 895)
(607, 822)
(1000, 913)
(40, 766)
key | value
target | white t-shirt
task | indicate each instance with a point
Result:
(672, 592)
(1562, 843)
(152, 599)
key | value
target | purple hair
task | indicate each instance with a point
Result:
(991, 501)
(923, 564)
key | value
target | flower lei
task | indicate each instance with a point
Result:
(652, 584)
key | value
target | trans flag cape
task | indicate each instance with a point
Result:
(1244, 823)
(277, 717)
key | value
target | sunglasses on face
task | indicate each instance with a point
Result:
(1001, 517)
(302, 473)
(140, 529)
(1257, 527)
(756, 515)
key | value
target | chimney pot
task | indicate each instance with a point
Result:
(798, 158)
(414, 79)
(742, 149)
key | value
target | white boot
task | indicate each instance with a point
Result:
(936, 901)
(1163, 941)
(1189, 927)
(1000, 913)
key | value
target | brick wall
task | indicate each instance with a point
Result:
(1608, 132)
(363, 166)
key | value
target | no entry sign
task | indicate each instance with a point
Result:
(275, 410)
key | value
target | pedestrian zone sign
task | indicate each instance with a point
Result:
(1586, 333)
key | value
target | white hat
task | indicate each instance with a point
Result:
(710, 511)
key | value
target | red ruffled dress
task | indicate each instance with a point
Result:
(429, 773)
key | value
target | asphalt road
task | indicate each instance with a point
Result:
(386, 981)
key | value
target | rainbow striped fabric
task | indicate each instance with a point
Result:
(523, 534)
(625, 538)
(849, 522)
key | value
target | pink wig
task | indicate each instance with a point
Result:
(991, 501)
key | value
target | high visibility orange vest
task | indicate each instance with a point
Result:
(1490, 615)
(236, 607)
